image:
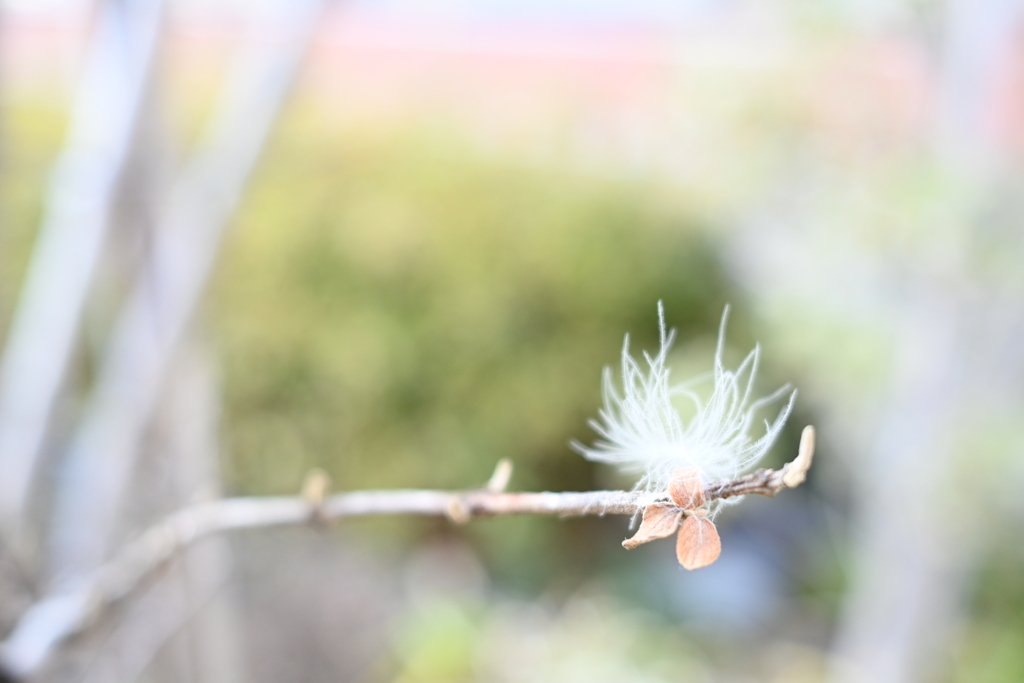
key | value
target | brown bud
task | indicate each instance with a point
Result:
(658, 522)
(686, 489)
(698, 544)
(315, 486)
(457, 512)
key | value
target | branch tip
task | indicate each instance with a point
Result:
(795, 472)
(767, 482)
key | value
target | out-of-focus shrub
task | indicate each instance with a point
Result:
(404, 310)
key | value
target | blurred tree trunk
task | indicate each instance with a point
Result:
(914, 559)
(185, 626)
(83, 187)
(165, 295)
(141, 415)
(192, 429)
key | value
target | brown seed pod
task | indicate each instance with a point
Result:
(686, 489)
(698, 544)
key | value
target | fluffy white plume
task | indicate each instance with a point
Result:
(642, 431)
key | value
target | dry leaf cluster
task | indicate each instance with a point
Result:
(684, 511)
(697, 543)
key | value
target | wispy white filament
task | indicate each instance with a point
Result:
(643, 432)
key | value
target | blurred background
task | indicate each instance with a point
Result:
(399, 240)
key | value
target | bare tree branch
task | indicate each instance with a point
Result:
(160, 307)
(63, 614)
(78, 206)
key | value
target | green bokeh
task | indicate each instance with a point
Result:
(404, 311)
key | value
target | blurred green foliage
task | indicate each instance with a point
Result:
(404, 310)
(588, 638)
(992, 649)
(30, 138)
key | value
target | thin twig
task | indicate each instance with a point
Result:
(764, 482)
(69, 611)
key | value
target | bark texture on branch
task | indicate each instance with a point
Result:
(69, 611)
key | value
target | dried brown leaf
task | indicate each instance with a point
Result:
(698, 544)
(658, 522)
(686, 489)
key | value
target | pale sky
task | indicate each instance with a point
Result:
(662, 12)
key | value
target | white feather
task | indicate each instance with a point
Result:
(642, 431)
